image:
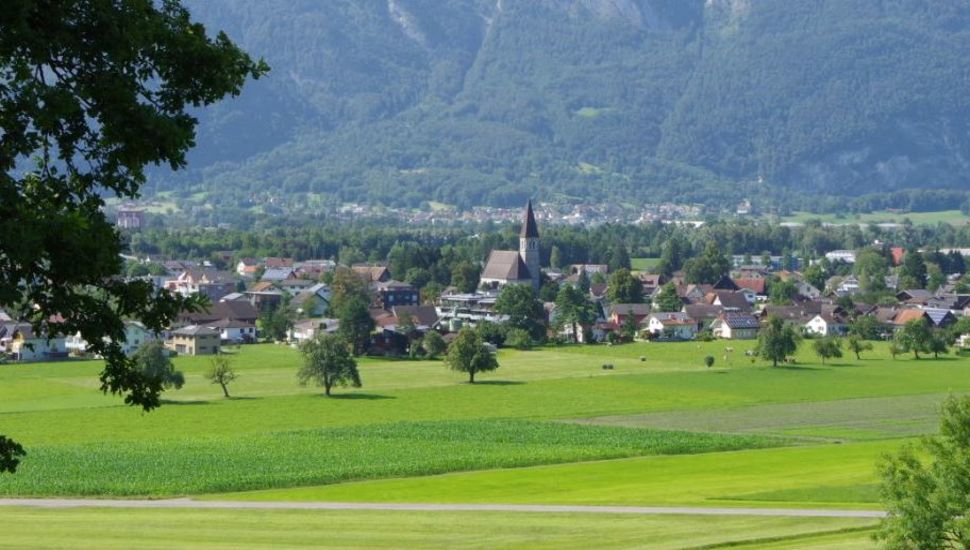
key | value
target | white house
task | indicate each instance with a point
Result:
(313, 301)
(26, 345)
(135, 335)
(847, 256)
(735, 326)
(234, 331)
(671, 325)
(825, 324)
(309, 329)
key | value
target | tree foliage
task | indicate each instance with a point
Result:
(91, 93)
(857, 345)
(777, 341)
(928, 500)
(573, 309)
(524, 311)
(667, 299)
(827, 348)
(468, 354)
(221, 372)
(327, 362)
(153, 362)
(433, 344)
(915, 337)
(624, 288)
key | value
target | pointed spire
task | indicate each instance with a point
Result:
(529, 228)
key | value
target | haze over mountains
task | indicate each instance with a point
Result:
(476, 102)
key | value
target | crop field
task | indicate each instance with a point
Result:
(550, 426)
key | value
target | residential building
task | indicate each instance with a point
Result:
(671, 326)
(735, 326)
(194, 340)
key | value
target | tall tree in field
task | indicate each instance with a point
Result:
(153, 362)
(221, 372)
(467, 353)
(777, 340)
(524, 311)
(857, 345)
(91, 93)
(327, 362)
(827, 348)
(927, 493)
(915, 336)
(573, 309)
(624, 288)
(667, 299)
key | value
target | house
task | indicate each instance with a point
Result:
(194, 340)
(136, 334)
(456, 310)
(248, 267)
(395, 293)
(310, 328)
(826, 324)
(847, 286)
(295, 286)
(805, 289)
(372, 273)
(729, 300)
(725, 283)
(915, 296)
(847, 256)
(211, 283)
(233, 331)
(589, 269)
(940, 318)
(233, 310)
(703, 314)
(313, 301)
(273, 263)
(904, 316)
(673, 325)
(619, 312)
(277, 274)
(651, 282)
(424, 318)
(264, 296)
(314, 269)
(516, 267)
(694, 293)
(736, 326)
(757, 286)
(27, 345)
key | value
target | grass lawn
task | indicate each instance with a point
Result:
(834, 476)
(109, 528)
(643, 264)
(954, 217)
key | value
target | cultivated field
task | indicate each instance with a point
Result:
(549, 427)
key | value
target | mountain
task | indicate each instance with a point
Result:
(491, 101)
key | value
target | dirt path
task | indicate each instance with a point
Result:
(534, 508)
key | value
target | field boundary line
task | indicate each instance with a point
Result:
(424, 507)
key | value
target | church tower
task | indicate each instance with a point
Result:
(529, 246)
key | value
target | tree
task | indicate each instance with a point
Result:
(871, 269)
(572, 308)
(912, 274)
(630, 327)
(709, 361)
(777, 340)
(707, 268)
(518, 339)
(619, 257)
(782, 292)
(433, 344)
(347, 287)
(153, 362)
(624, 288)
(928, 499)
(583, 282)
(276, 323)
(464, 276)
(524, 311)
(327, 362)
(937, 345)
(93, 93)
(827, 348)
(548, 291)
(895, 349)
(221, 372)
(667, 299)
(468, 354)
(555, 258)
(406, 326)
(915, 336)
(857, 345)
(866, 327)
(356, 324)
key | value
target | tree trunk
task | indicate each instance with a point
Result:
(575, 334)
(327, 384)
(471, 377)
(224, 390)
(774, 362)
(916, 354)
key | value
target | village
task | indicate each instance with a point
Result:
(296, 297)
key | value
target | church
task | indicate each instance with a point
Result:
(516, 267)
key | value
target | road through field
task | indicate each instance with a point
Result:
(548, 509)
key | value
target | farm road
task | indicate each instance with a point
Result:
(533, 508)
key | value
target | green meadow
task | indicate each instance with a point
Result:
(953, 217)
(550, 426)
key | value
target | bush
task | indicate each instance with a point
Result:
(709, 361)
(518, 338)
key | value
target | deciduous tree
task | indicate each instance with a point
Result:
(624, 288)
(92, 92)
(857, 345)
(667, 299)
(153, 362)
(827, 348)
(468, 354)
(777, 340)
(221, 372)
(327, 362)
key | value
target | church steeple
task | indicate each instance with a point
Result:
(529, 246)
(529, 229)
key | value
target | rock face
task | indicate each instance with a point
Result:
(485, 98)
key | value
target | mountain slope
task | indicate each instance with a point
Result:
(489, 101)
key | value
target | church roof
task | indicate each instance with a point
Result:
(529, 228)
(505, 265)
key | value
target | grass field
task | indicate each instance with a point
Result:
(550, 426)
(643, 264)
(953, 217)
(105, 528)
